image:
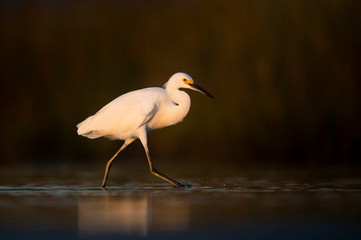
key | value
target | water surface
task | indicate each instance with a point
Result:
(275, 205)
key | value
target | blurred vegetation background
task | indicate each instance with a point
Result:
(286, 76)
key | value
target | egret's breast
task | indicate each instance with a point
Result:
(167, 115)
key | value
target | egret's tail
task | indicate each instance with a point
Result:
(84, 129)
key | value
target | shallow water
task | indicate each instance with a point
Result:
(264, 206)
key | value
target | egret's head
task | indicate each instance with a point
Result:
(183, 80)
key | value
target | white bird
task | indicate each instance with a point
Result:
(131, 115)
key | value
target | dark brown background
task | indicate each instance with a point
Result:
(286, 76)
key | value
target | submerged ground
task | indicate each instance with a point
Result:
(67, 203)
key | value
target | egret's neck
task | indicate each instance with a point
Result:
(181, 100)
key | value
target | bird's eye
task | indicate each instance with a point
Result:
(184, 80)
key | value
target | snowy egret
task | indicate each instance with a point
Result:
(131, 115)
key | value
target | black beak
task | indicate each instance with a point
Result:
(200, 89)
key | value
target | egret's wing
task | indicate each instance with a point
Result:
(120, 118)
(148, 111)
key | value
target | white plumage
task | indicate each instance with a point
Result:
(131, 115)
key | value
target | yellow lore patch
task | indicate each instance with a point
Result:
(187, 81)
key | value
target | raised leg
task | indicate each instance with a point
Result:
(110, 162)
(155, 172)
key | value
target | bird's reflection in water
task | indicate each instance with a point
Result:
(132, 215)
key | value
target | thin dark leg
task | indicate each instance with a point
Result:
(110, 162)
(155, 172)
(143, 139)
